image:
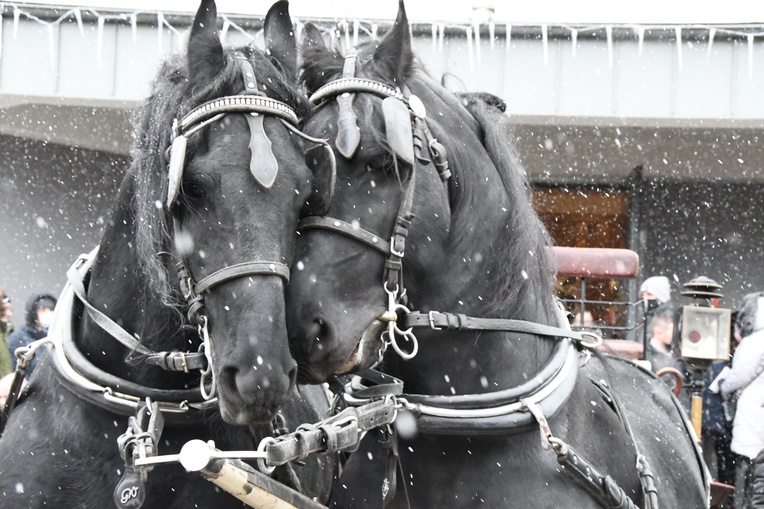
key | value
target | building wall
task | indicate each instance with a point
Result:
(54, 201)
(691, 229)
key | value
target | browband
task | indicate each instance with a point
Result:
(351, 85)
(237, 104)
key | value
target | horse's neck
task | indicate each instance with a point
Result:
(470, 283)
(118, 287)
(452, 362)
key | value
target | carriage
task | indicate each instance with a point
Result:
(381, 200)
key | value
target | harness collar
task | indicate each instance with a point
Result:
(104, 390)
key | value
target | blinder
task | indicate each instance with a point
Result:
(320, 160)
(398, 129)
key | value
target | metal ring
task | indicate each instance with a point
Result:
(592, 345)
(261, 461)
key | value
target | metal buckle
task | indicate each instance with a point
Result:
(431, 318)
(393, 252)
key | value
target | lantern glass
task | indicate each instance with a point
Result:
(706, 333)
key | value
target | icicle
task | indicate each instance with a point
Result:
(224, 29)
(374, 31)
(356, 26)
(711, 35)
(678, 31)
(298, 27)
(573, 41)
(545, 43)
(99, 39)
(441, 36)
(469, 48)
(16, 16)
(491, 32)
(51, 44)
(346, 26)
(640, 39)
(609, 34)
(333, 38)
(434, 30)
(750, 55)
(160, 32)
(508, 38)
(478, 52)
(134, 26)
(78, 17)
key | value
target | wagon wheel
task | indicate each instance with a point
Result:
(677, 376)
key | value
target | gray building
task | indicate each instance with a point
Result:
(645, 137)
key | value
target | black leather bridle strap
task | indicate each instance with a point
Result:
(347, 229)
(457, 321)
(242, 270)
(395, 249)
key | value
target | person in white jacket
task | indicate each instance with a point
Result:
(747, 376)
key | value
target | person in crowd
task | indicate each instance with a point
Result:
(747, 376)
(661, 334)
(6, 327)
(39, 313)
(656, 293)
(757, 482)
(717, 432)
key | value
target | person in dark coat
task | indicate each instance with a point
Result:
(717, 432)
(39, 312)
(757, 481)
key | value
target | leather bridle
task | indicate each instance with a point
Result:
(263, 165)
(512, 410)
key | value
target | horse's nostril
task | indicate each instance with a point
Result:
(293, 382)
(319, 334)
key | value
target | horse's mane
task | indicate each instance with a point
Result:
(174, 94)
(523, 268)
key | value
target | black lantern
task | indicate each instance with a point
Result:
(704, 338)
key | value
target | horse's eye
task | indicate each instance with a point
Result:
(380, 164)
(194, 188)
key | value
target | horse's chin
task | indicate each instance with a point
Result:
(367, 351)
(245, 416)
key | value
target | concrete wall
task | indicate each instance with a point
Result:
(54, 200)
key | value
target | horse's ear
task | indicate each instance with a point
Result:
(394, 51)
(311, 37)
(205, 51)
(280, 42)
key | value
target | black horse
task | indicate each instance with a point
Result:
(431, 212)
(127, 328)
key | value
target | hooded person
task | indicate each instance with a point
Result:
(747, 376)
(656, 291)
(38, 316)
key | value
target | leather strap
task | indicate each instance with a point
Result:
(354, 85)
(76, 276)
(348, 133)
(458, 321)
(504, 397)
(600, 486)
(341, 432)
(178, 361)
(347, 229)
(242, 270)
